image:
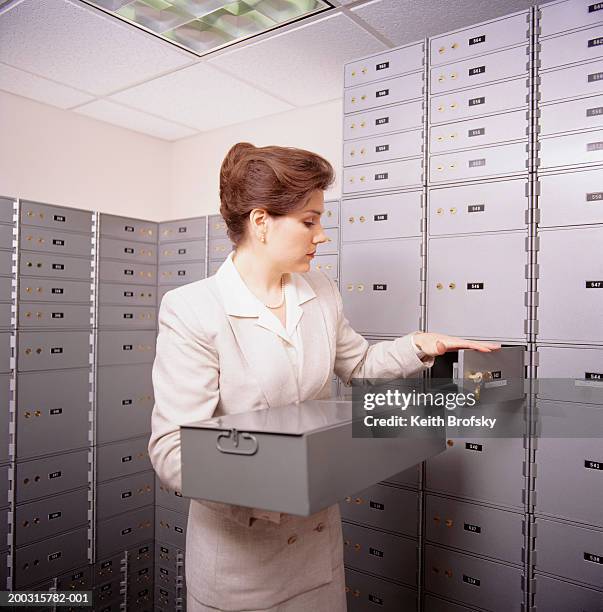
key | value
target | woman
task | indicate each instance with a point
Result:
(264, 331)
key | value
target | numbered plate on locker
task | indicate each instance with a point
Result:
(124, 531)
(405, 116)
(331, 245)
(575, 282)
(486, 162)
(506, 32)
(583, 149)
(383, 148)
(126, 347)
(185, 229)
(52, 412)
(327, 264)
(400, 89)
(386, 216)
(387, 175)
(472, 580)
(470, 278)
(385, 65)
(170, 527)
(181, 273)
(128, 229)
(127, 272)
(136, 295)
(481, 207)
(479, 132)
(182, 251)
(555, 17)
(216, 226)
(569, 116)
(581, 46)
(485, 100)
(58, 266)
(41, 290)
(56, 217)
(126, 250)
(365, 592)
(127, 317)
(574, 198)
(51, 241)
(583, 80)
(478, 71)
(219, 248)
(125, 494)
(54, 316)
(380, 285)
(43, 350)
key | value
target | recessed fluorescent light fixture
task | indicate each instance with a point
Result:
(203, 26)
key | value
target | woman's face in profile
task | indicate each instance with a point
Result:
(292, 239)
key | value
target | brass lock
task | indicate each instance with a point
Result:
(479, 378)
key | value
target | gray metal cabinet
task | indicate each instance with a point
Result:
(216, 227)
(570, 82)
(6, 236)
(79, 579)
(6, 284)
(480, 469)
(386, 216)
(127, 250)
(474, 528)
(576, 282)
(124, 402)
(49, 516)
(552, 595)
(127, 317)
(219, 248)
(52, 412)
(331, 244)
(384, 507)
(480, 70)
(182, 251)
(472, 580)
(128, 229)
(42, 290)
(330, 217)
(122, 459)
(44, 350)
(480, 207)
(382, 176)
(54, 316)
(127, 272)
(329, 264)
(383, 148)
(385, 65)
(398, 118)
(170, 499)
(170, 527)
(56, 266)
(168, 555)
(571, 150)
(181, 273)
(570, 551)
(572, 198)
(164, 599)
(7, 206)
(558, 17)
(125, 347)
(125, 494)
(479, 39)
(183, 229)
(5, 315)
(56, 217)
(582, 114)
(52, 241)
(486, 162)
(580, 46)
(135, 295)
(505, 96)
(391, 91)
(380, 285)
(124, 530)
(6, 262)
(364, 592)
(51, 475)
(479, 132)
(384, 554)
(470, 278)
(50, 557)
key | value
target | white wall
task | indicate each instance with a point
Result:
(59, 157)
(196, 160)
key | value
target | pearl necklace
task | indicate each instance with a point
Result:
(282, 296)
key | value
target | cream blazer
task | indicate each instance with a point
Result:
(215, 355)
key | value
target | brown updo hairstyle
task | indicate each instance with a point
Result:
(277, 179)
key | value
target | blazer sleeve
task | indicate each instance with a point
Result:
(185, 383)
(355, 358)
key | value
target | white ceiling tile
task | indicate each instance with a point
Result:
(81, 47)
(134, 120)
(35, 87)
(404, 21)
(202, 97)
(303, 65)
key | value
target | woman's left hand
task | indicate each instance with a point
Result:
(434, 344)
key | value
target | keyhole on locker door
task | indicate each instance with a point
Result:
(479, 378)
